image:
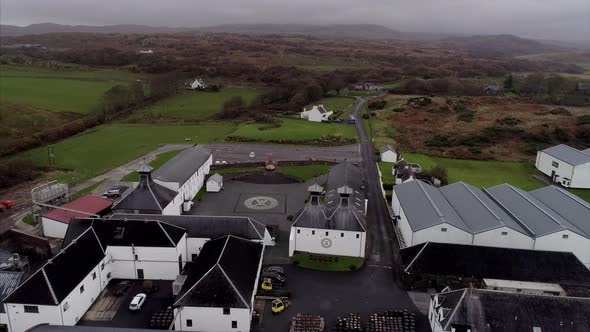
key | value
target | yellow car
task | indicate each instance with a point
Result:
(266, 284)
(279, 305)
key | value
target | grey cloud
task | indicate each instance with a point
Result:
(563, 19)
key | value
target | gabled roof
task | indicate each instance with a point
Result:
(567, 205)
(223, 276)
(182, 166)
(82, 207)
(147, 197)
(313, 214)
(568, 154)
(124, 232)
(211, 227)
(315, 188)
(487, 310)
(468, 261)
(55, 280)
(386, 148)
(216, 178)
(349, 175)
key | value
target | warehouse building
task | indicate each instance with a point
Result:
(502, 216)
(170, 189)
(55, 222)
(334, 226)
(565, 165)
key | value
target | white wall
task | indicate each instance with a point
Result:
(435, 234)
(53, 228)
(389, 156)
(20, 321)
(344, 243)
(213, 187)
(544, 163)
(512, 239)
(194, 246)
(581, 177)
(433, 316)
(212, 319)
(157, 263)
(578, 245)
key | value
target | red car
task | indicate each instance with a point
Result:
(6, 205)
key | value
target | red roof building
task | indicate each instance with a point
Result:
(55, 222)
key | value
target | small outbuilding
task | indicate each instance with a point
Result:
(55, 222)
(317, 113)
(198, 84)
(388, 154)
(565, 165)
(215, 183)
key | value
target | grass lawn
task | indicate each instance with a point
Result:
(86, 190)
(295, 130)
(198, 105)
(102, 148)
(334, 103)
(58, 95)
(77, 72)
(236, 169)
(390, 85)
(327, 263)
(305, 172)
(386, 174)
(160, 160)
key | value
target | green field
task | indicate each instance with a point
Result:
(160, 160)
(334, 103)
(76, 72)
(86, 190)
(294, 130)
(327, 263)
(198, 105)
(102, 148)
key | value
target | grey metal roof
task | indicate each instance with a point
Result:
(567, 205)
(147, 197)
(345, 174)
(322, 109)
(144, 168)
(208, 226)
(313, 214)
(587, 151)
(425, 206)
(216, 178)
(538, 218)
(315, 188)
(568, 154)
(182, 166)
(386, 148)
(478, 211)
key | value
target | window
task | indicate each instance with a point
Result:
(234, 324)
(443, 229)
(554, 164)
(341, 234)
(298, 231)
(66, 306)
(93, 275)
(81, 289)
(565, 236)
(136, 257)
(504, 233)
(312, 232)
(327, 233)
(109, 275)
(226, 311)
(358, 236)
(32, 309)
(102, 266)
(189, 322)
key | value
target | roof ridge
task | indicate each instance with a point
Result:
(167, 235)
(234, 286)
(195, 284)
(256, 230)
(455, 309)
(574, 197)
(537, 206)
(416, 257)
(49, 286)
(503, 207)
(153, 195)
(223, 249)
(438, 212)
(483, 203)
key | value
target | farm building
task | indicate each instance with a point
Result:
(367, 87)
(437, 265)
(565, 165)
(55, 222)
(488, 310)
(172, 187)
(405, 172)
(214, 183)
(95, 251)
(198, 84)
(388, 154)
(316, 114)
(334, 226)
(218, 294)
(502, 216)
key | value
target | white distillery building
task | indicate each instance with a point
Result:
(55, 222)
(171, 188)
(316, 114)
(565, 165)
(335, 226)
(95, 251)
(502, 216)
(218, 294)
(388, 154)
(198, 84)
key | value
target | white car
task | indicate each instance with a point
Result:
(137, 302)
(252, 155)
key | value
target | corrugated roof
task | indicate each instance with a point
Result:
(182, 166)
(567, 205)
(568, 154)
(345, 174)
(91, 204)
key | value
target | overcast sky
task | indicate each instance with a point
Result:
(554, 19)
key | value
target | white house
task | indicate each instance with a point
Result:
(405, 172)
(198, 84)
(55, 222)
(565, 165)
(316, 114)
(172, 187)
(502, 216)
(472, 309)
(146, 52)
(214, 183)
(218, 294)
(335, 226)
(388, 154)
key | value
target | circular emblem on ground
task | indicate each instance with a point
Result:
(261, 203)
(326, 243)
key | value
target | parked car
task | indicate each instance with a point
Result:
(276, 269)
(252, 154)
(122, 287)
(137, 302)
(277, 278)
(113, 192)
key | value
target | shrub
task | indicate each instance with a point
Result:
(561, 135)
(15, 171)
(439, 110)
(438, 172)
(365, 116)
(440, 141)
(508, 121)
(387, 186)
(377, 105)
(584, 119)
(399, 109)
(352, 267)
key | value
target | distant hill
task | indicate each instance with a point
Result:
(494, 46)
(354, 31)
